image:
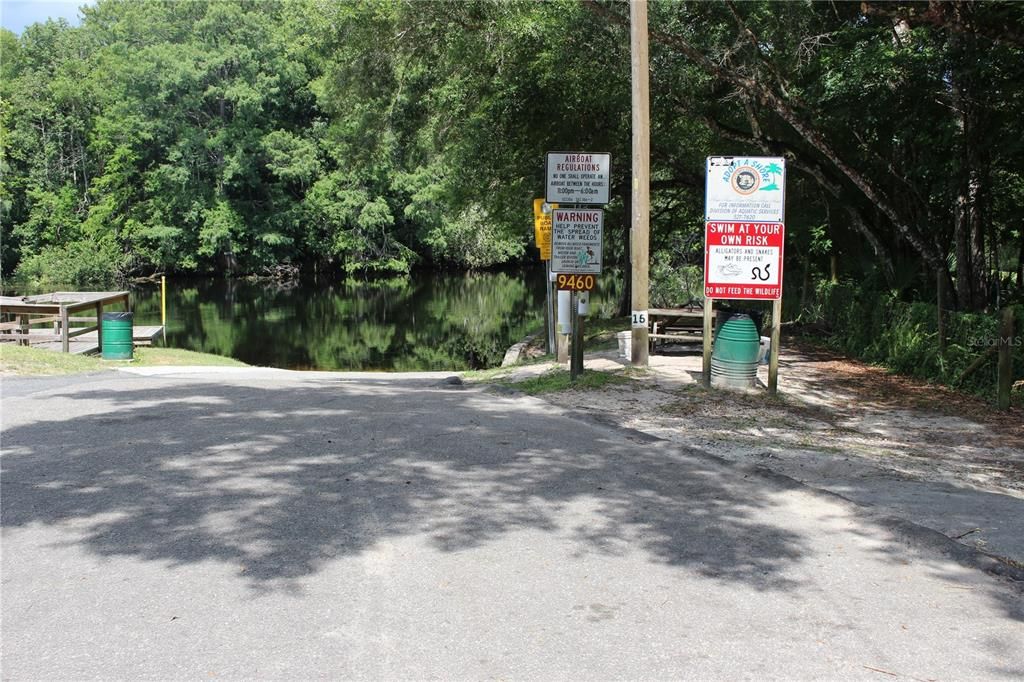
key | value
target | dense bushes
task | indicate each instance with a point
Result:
(904, 337)
(80, 264)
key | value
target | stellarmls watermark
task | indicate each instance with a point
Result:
(1015, 341)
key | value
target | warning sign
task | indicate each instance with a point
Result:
(576, 240)
(743, 260)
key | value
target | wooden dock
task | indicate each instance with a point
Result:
(21, 317)
(88, 343)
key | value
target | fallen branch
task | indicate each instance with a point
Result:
(879, 670)
(963, 535)
(978, 363)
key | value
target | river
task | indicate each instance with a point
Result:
(428, 321)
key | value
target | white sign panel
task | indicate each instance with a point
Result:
(745, 189)
(578, 177)
(576, 240)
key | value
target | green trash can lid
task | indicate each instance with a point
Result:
(116, 316)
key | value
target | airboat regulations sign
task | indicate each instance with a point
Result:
(743, 260)
(745, 189)
(578, 177)
(576, 240)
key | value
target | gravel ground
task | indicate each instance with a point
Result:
(921, 452)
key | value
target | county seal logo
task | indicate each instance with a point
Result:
(745, 180)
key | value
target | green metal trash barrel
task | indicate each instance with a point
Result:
(117, 336)
(734, 356)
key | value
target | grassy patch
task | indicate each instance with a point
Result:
(34, 361)
(25, 360)
(494, 373)
(559, 380)
(151, 357)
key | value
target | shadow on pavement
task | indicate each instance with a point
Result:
(279, 480)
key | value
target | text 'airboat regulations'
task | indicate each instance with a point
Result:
(578, 177)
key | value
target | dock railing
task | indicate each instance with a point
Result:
(57, 309)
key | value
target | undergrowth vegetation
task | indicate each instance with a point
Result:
(904, 337)
(559, 380)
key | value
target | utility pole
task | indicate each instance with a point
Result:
(641, 208)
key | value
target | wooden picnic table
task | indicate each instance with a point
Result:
(58, 307)
(675, 324)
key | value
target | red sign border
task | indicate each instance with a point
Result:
(733, 297)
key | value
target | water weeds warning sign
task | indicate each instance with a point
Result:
(743, 260)
(576, 240)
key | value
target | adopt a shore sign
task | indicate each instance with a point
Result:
(745, 189)
(576, 235)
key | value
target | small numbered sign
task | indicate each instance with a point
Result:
(576, 282)
(640, 318)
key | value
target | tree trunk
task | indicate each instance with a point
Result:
(961, 237)
(969, 230)
(940, 303)
(806, 284)
(1020, 261)
(626, 302)
(976, 220)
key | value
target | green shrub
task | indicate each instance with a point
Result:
(904, 337)
(673, 282)
(80, 264)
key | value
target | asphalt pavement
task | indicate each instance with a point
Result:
(267, 524)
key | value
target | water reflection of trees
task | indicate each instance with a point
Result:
(433, 321)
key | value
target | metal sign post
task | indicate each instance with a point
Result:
(709, 319)
(542, 237)
(773, 352)
(576, 359)
(576, 239)
(550, 307)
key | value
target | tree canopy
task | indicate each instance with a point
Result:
(238, 135)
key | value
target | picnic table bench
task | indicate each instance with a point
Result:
(685, 324)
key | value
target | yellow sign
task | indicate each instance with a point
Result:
(542, 227)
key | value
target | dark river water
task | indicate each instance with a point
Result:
(429, 321)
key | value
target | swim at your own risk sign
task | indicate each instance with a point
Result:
(745, 228)
(743, 260)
